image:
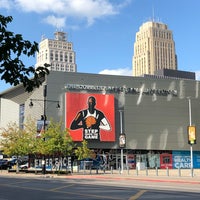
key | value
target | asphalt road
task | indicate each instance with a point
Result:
(42, 188)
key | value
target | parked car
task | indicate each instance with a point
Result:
(24, 166)
(12, 162)
(5, 164)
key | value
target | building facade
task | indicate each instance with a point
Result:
(57, 52)
(152, 113)
(154, 49)
(176, 74)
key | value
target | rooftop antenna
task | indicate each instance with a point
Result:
(43, 37)
(153, 19)
(57, 26)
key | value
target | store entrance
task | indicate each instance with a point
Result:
(114, 161)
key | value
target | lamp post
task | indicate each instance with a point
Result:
(191, 135)
(190, 123)
(122, 141)
(44, 118)
(44, 125)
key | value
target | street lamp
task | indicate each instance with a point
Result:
(191, 134)
(44, 117)
(122, 141)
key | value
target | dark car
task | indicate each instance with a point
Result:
(5, 164)
(12, 162)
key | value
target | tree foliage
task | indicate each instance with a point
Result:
(16, 141)
(19, 142)
(83, 151)
(12, 68)
(55, 140)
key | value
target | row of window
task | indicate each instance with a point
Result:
(63, 67)
(140, 48)
(156, 34)
(62, 56)
(57, 56)
(162, 34)
(60, 45)
(164, 58)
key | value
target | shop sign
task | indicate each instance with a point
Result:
(181, 159)
(127, 90)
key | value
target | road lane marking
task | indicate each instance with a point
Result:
(62, 192)
(58, 188)
(137, 195)
(19, 182)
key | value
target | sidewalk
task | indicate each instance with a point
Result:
(160, 175)
(172, 175)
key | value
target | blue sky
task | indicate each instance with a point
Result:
(103, 31)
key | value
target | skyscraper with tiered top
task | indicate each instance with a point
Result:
(57, 52)
(154, 49)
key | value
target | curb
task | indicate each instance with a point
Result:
(164, 179)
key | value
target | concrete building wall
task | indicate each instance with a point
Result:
(155, 111)
(9, 112)
(151, 121)
(176, 74)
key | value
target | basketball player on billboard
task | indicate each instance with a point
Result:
(91, 121)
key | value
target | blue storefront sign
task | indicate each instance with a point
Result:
(182, 159)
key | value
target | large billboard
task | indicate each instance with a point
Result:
(90, 116)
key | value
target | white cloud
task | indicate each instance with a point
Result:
(87, 10)
(38, 6)
(7, 4)
(119, 71)
(197, 73)
(55, 21)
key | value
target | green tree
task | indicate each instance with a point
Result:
(12, 68)
(20, 142)
(16, 141)
(83, 151)
(55, 140)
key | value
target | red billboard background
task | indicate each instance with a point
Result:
(76, 102)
